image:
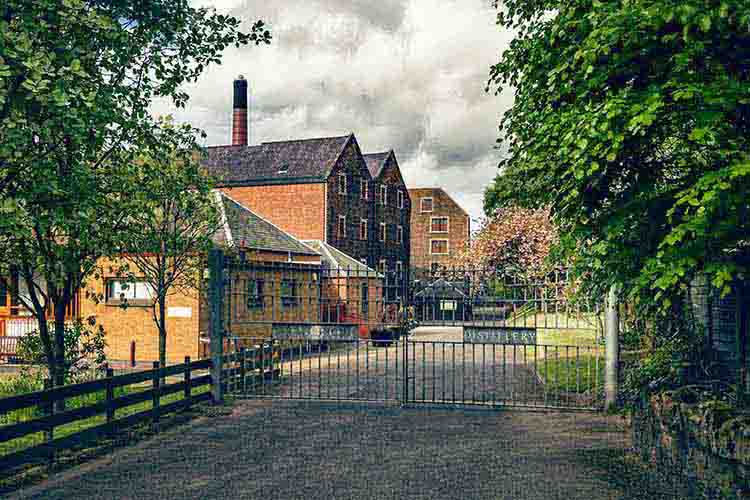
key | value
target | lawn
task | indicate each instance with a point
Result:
(572, 374)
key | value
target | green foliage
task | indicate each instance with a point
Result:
(84, 349)
(77, 78)
(631, 121)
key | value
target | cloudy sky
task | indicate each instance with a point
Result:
(403, 74)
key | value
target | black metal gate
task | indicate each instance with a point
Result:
(296, 331)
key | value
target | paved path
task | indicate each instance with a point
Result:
(313, 450)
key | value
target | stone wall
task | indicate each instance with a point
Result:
(705, 446)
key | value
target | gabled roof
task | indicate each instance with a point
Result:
(376, 162)
(281, 162)
(339, 262)
(243, 229)
(441, 288)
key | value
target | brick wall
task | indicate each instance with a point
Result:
(351, 205)
(296, 208)
(458, 227)
(135, 323)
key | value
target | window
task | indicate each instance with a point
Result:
(425, 205)
(364, 188)
(400, 234)
(122, 290)
(383, 231)
(255, 294)
(365, 299)
(289, 296)
(284, 169)
(400, 199)
(400, 269)
(383, 195)
(381, 266)
(439, 247)
(439, 224)
(363, 229)
(342, 183)
(342, 226)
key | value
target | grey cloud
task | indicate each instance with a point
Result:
(407, 75)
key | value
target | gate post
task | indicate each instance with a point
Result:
(612, 350)
(216, 326)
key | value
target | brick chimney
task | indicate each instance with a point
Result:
(239, 116)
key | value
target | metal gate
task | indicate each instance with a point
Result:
(459, 337)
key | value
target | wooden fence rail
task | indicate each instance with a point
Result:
(45, 401)
(256, 363)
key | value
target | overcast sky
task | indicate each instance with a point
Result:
(407, 75)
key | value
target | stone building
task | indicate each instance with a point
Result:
(440, 228)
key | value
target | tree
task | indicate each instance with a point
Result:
(631, 123)
(78, 77)
(177, 217)
(514, 241)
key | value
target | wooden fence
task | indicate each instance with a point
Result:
(46, 402)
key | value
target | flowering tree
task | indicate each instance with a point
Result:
(514, 241)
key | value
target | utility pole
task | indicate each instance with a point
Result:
(612, 350)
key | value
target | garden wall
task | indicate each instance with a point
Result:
(704, 446)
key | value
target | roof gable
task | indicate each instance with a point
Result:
(376, 162)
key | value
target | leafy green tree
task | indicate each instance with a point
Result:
(176, 219)
(631, 121)
(77, 78)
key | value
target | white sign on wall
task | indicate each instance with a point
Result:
(179, 312)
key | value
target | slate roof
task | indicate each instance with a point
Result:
(376, 162)
(245, 229)
(339, 262)
(281, 162)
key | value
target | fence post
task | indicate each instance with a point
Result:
(243, 354)
(216, 333)
(612, 351)
(110, 398)
(156, 396)
(405, 389)
(49, 410)
(187, 394)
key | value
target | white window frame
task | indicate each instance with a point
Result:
(401, 199)
(400, 234)
(131, 293)
(364, 188)
(384, 194)
(447, 224)
(342, 186)
(341, 227)
(421, 205)
(383, 232)
(361, 222)
(447, 246)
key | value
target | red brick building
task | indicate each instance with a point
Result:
(440, 228)
(321, 189)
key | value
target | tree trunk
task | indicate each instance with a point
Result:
(58, 379)
(162, 324)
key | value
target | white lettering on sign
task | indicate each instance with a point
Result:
(179, 312)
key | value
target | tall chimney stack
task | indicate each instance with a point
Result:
(239, 116)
